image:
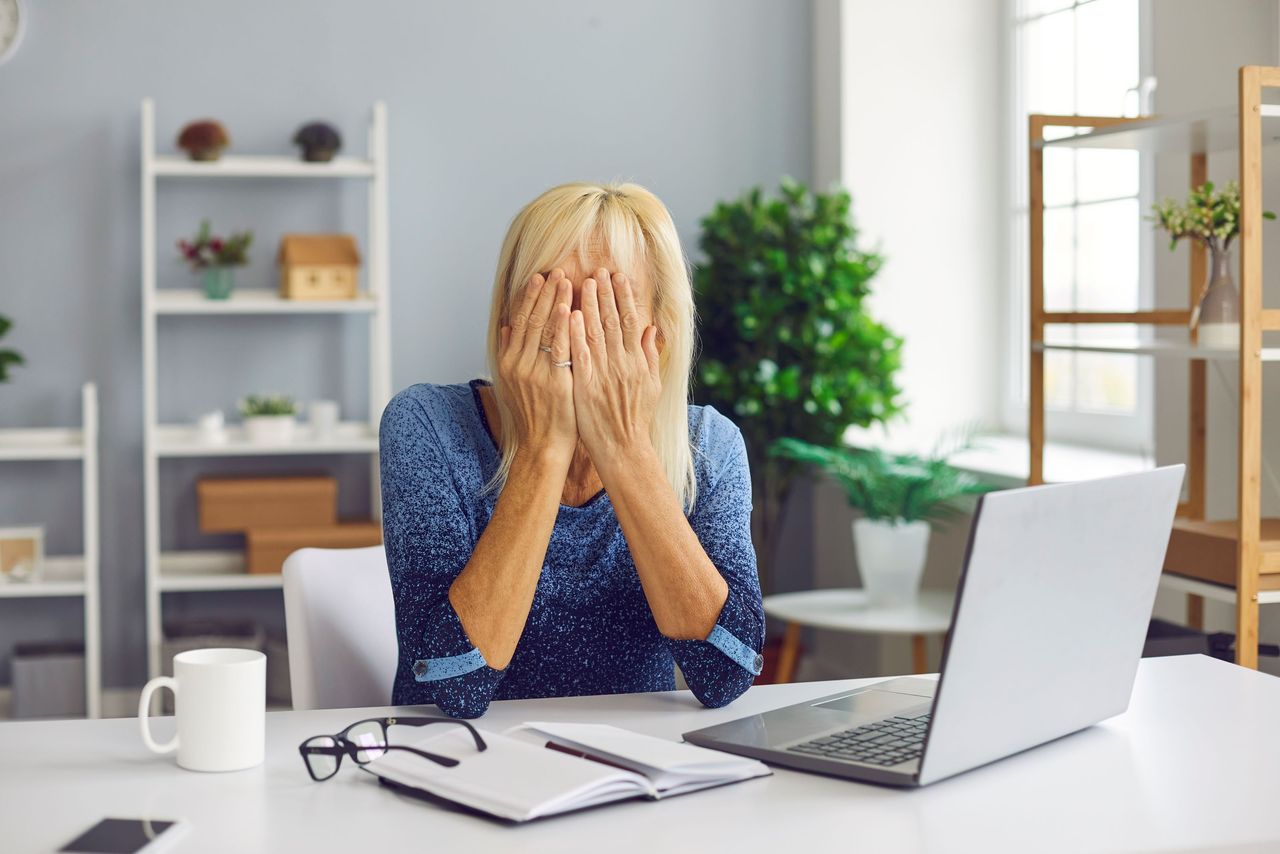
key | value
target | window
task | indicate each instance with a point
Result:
(1081, 57)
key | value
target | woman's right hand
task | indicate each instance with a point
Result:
(540, 395)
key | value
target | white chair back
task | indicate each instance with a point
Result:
(341, 623)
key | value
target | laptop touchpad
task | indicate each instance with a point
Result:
(895, 697)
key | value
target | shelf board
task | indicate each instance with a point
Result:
(192, 301)
(53, 443)
(63, 576)
(193, 571)
(1202, 132)
(267, 166)
(1206, 551)
(1215, 592)
(1154, 348)
(184, 440)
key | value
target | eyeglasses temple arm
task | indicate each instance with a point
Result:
(446, 761)
(475, 734)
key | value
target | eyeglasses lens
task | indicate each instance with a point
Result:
(370, 738)
(322, 766)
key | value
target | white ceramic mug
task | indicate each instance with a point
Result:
(323, 416)
(220, 702)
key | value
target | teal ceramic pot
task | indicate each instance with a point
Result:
(218, 282)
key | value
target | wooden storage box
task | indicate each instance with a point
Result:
(235, 504)
(1208, 550)
(266, 548)
(318, 266)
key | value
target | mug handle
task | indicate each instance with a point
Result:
(144, 707)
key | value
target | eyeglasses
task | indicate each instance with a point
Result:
(364, 741)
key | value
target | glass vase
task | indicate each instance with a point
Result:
(218, 282)
(1217, 317)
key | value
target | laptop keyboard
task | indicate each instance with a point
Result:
(887, 742)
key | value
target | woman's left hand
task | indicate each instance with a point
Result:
(615, 370)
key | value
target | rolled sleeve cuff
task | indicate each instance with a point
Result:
(435, 669)
(728, 643)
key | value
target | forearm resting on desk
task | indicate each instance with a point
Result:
(494, 592)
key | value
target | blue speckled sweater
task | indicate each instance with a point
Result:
(590, 630)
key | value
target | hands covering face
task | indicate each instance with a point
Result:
(615, 367)
(590, 373)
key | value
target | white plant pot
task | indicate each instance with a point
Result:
(270, 429)
(1219, 336)
(891, 559)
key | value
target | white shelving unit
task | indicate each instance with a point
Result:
(69, 576)
(205, 571)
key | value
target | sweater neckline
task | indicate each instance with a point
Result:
(599, 498)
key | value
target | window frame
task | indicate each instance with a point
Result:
(1116, 431)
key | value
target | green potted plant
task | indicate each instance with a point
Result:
(900, 497)
(1212, 218)
(269, 419)
(788, 348)
(216, 259)
(8, 358)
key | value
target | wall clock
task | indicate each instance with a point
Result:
(13, 19)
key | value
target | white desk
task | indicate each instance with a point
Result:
(1194, 764)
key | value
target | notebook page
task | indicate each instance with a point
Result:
(511, 779)
(669, 764)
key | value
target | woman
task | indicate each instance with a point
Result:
(575, 527)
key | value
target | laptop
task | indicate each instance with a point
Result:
(1050, 616)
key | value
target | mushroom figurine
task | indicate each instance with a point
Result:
(319, 141)
(203, 140)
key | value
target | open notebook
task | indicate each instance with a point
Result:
(520, 777)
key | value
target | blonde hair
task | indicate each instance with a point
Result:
(629, 225)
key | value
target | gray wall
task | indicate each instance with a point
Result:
(489, 103)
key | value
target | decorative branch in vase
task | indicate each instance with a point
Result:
(215, 258)
(1213, 219)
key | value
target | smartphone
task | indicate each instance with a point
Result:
(126, 836)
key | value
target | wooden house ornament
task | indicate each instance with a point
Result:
(318, 266)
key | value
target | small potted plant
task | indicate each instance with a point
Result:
(203, 140)
(319, 142)
(214, 258)
(1213, 218)
(8, 358)
(900, 496)
(269, 418)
